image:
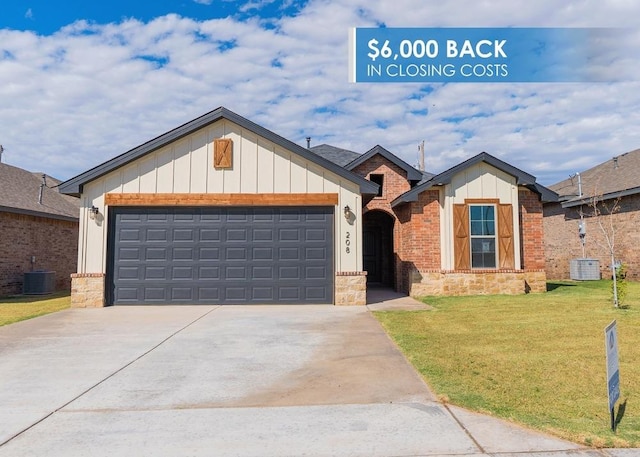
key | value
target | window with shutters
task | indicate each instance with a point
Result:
(483, 235)
(482, 231)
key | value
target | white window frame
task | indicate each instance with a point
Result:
(494, 237)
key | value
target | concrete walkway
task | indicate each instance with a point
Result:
(232, 381)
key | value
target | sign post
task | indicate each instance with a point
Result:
(613, 369)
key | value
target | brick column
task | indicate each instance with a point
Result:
(531, 226)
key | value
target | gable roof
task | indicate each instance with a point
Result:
(522, 179)
(74, 185)
(20, 190)
(412, 173)
(336, 155)
(616, 177)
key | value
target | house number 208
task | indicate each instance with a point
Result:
(347, 242)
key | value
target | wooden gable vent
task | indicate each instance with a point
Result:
(222, 153)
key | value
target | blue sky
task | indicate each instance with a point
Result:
(46, 17)
(82, 82)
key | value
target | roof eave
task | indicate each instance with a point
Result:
(412, 173)
(28, 212)
(609, 196)
(412, 195)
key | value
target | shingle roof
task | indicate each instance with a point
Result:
(19, 193)
(618, 175)
(336, 155)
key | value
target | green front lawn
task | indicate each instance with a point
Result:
(19, 308)
(536, 359)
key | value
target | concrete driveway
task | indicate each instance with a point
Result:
(245, 381)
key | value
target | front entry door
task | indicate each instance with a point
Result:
(372, 245)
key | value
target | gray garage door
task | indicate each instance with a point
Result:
(204, 255)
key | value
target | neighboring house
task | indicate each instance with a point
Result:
(617, 179)
(38, 229)
(221, 210)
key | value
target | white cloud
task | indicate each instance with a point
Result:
(29, 14)
(89, 92)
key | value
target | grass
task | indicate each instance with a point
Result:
(22, 307)
(536, 359)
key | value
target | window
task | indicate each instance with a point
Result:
(378, 179)
(482, 219)
(483, 235)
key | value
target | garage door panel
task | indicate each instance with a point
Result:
(209, 235)
(129, 234)
(259, 253)
(155, 254)
(221, 255)
(239, 253)
(236, 235)
(211, 273)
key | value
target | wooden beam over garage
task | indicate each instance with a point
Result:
(114, 199)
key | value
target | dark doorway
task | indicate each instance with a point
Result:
(377, 236)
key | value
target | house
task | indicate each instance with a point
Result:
(38, 227)
(222, 210)
(614, 181)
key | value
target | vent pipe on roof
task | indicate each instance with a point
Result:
(44, 183)
(615, 162)
(308, 142)
(579, 185)
(1, 151)
(421, 156)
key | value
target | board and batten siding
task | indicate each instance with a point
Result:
(480, 181)
(186, 166)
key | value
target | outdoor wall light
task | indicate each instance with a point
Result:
(347, 212)
(93, 212)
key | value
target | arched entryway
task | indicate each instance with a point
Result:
(377, 238)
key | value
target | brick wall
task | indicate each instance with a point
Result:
(395, 184)
(531, 230)
(416, 232)
(54, 244)
(395, 181)
(562, 242)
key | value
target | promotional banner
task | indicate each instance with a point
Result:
(441, 55)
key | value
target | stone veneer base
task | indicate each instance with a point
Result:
(87, 290)
(510, 282)
(351, 288)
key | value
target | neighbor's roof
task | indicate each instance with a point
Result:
(74, 185)
(522, 179)
(617, 177)
(19, 193)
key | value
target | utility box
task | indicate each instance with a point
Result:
(584, 269)
(39, 282)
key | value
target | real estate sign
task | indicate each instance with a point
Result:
(613, 368)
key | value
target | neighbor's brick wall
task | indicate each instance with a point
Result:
(562, 242)
(531, 230)
(53, 242)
